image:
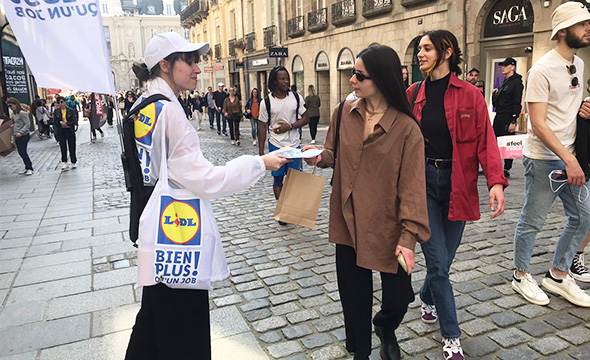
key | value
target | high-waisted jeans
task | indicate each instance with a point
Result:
(439, 251)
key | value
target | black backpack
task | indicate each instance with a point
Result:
(140, 193)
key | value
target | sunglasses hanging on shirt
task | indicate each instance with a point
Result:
(571, 69)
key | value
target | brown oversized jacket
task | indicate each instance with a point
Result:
(379, 194)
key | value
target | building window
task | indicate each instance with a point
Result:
(232, 17)
(107, 37)
(105, 8)
(152, 33)
(252, 17)
(318, 4)
(168, 9)
(218, 34)
(272, 6)
(187, 33)
(298, 7)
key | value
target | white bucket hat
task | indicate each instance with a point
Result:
(566, 15)
(168, 43)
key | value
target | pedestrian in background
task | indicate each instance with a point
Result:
(553, 97)
(21, 126)
(253, 112)
(65, 119)
(377, 207)
(452, 160)
(287, 114)
(185, 103)
(173, 323)
(43, 118)
(98, 115)
(312, 104)
(506, 100)
(405, 76)
(232, 109)
(219, 97)
(210, 107)
(129, 100)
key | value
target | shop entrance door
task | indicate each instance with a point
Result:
(323, 90)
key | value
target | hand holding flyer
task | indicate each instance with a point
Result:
(292, 153)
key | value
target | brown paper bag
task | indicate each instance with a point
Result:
(300, 198)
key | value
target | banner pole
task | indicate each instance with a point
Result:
(119, 119)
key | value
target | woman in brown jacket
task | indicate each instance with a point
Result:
(378, 204)
(232, 109)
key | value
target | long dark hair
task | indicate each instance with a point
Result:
(252, 93)
(443, 40)
(272, 78)
(144, 74)
(384, 67)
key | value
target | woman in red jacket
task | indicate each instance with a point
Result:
(458, 137)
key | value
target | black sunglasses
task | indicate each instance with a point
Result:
(571, 69)
(359, 75)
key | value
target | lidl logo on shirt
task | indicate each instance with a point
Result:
(145, 121)
(180, 222)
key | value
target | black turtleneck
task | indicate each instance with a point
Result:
(438, 143)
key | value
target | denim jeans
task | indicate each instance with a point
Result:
(254, 124)
(439, 251)
(218, 115)
(21, 147)
(538, 198)
(211, 116)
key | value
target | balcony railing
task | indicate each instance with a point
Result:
(317, 20)
(343, 12)
(250, 40)
(296, 26)
(231, 44)
(218, 51)
(269, 36)
(410, 3)
(376, 7)
(187, 16)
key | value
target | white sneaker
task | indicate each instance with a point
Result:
(578, 270)
(29, 172)
(64, 166)
(313, 141)
(452, 349)
(567, 288)
(528, 288)
(73, 166)
(233, 142)
(254, 143)
(24, 172)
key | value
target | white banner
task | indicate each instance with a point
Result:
(63, 43)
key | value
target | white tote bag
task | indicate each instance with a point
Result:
(179, 244)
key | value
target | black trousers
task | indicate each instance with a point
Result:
(172, 324)
(67, 139)
(355, 285)
(313, 126)
(234, 126)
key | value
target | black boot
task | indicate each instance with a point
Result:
(389, 347)
(360, 357)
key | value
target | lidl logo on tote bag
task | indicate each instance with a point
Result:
(180, 222)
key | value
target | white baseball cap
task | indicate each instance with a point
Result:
(220, 84)
(168, 43)
(566, 15)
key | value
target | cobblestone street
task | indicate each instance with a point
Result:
(67, 271)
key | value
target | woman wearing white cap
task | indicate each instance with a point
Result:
(173, 323)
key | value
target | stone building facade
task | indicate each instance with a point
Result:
(128, 31)
(323, 38)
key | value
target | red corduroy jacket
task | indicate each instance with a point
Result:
(474, 143)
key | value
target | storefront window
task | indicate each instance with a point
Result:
(297, 70)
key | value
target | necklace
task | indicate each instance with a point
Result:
(374, 113)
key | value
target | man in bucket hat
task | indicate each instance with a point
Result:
(553, 97)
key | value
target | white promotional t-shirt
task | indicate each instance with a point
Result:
(283, 110)
(550, 82)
